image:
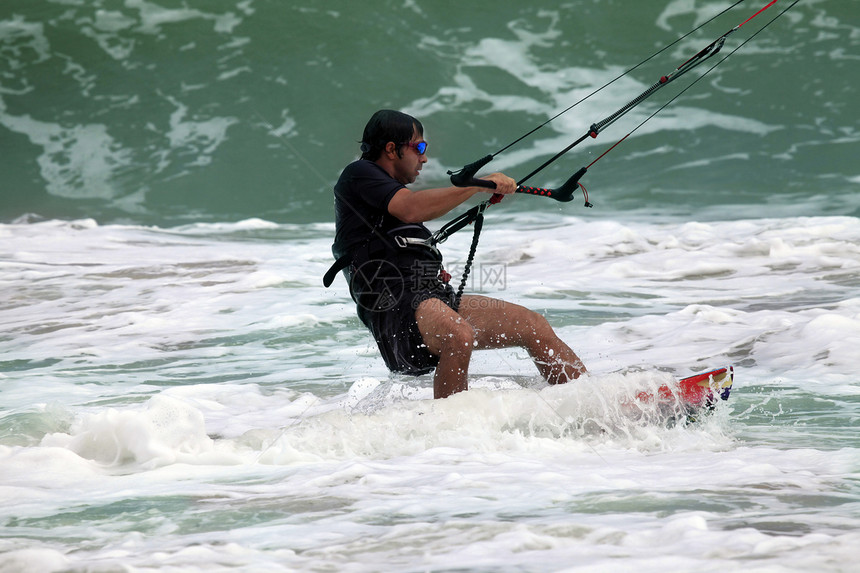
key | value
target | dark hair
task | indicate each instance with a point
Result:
(387, 125)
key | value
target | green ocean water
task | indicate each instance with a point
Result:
(171, 112)
(178, 392)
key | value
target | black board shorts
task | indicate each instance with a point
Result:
(396, 333)
(388, 279)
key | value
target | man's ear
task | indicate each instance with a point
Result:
(391, 150)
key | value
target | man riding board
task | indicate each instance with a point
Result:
(396, 277)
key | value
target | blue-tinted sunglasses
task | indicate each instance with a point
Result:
(420, 147)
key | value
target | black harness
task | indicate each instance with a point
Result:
(381, 268)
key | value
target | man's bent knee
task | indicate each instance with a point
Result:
(458, 340)
(442, 329)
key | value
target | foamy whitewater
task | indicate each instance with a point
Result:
(179, 393)
(191, 399)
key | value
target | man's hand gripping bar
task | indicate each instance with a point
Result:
(465, 177)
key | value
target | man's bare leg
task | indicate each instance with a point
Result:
(485, 322)
(452, 339)
(500, 324)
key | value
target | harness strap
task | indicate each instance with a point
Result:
(403, 242)
(341, 263)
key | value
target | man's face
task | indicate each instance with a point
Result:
(407, 168)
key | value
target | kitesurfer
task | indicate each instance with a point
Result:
(395, 273)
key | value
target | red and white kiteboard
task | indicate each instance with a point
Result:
(703, 390)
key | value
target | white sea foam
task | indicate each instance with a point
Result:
(203, 372)
(154, 16)
(78, 161)
(682, 7)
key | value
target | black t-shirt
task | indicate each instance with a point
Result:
(361, 198)
(387, 280)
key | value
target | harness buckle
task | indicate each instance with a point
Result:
(404, 242)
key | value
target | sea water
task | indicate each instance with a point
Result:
(178, 392)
